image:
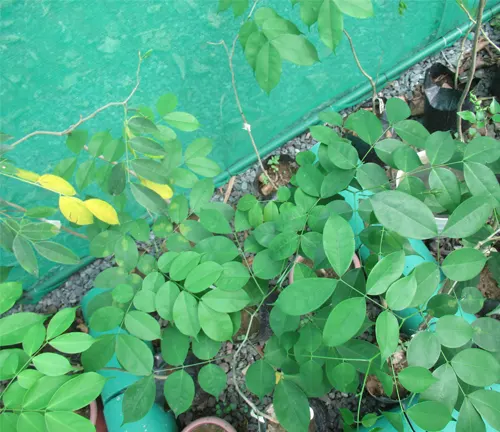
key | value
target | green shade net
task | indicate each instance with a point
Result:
(63, 59)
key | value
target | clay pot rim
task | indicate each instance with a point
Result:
(93, 412)
(216, 421)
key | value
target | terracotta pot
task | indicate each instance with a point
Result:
(209, 421)
(300, 259)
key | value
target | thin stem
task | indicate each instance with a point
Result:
(361, 393)
(472, 70)
(459, 61)
(397, 393)
(471, 18)
(82, 120)
(368, 77)
(246, 125)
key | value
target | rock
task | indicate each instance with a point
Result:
(211, 402)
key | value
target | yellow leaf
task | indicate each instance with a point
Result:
(75, 211)
(56, 184)
(102, 210)
(27, 175)
(279, 375)
(165, 191)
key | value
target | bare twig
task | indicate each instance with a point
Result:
(460, 57)
(246, 125)
(22, 209)
(472, 70)
(368, 77)
(471, 18)
(90, 116)
(229, 188)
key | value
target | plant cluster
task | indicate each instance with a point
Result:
(209, 269)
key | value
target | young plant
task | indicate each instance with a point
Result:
(482, 115)
(205, 277)
(39, 364)
(274, 163)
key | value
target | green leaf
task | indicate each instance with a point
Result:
(467, 116)
(268, 67)
(148, 199)
(24, 254)
(336, 181)
(274, 27)
(142, 325)
(77, 392)
(138, 399)
(291, 406)
(72, 343)
(343, 155)
(203, 166)
(166, 103)
(255, 216)
(281, 322)
(295, 48)
(174, 346)
(343, 376)
(372, 177)
(356, 8)
(406, 159)
(134, 355)
(440, 147)
(482, 149)
(385, 272)
(424, 350)
(10, 292)
(445, 389)
(178, 209)
(56, 252)
(463, 264)
(441, 305)
(98, 142)
(213, 221)
(185, 314)
(203, 276)
(52, 364)
(338, 242)
(144, 300)
(34, 339)
(182, 121)
(205, 348)
(331, 117)
(469, 419)
(103, 244)
(260, 378)
(253, 45)
(126, 253)
(200, 194)
(400, 294)
(427, 276)
(13, 327)
(330, 24)
(248, 28)
(39, 231)
(85, 174)
(397, 110)
(482, 182)
(453, 331)
(29, 421)
(165, 299)
(413, 186)
(183, 265)
(179, 391)
(41, 392)
(487, 402)
(60, 322)
(468, 218)
(445, 187)
(344, 321)
(216, 325)
(63, 421)
(183, 178)
(416, 379)
(150, 170)
(413, 132)
(385, 150)
(471, 301)
(476, 367)
(219, 249)
(309, 178)
(239, 7)
(265, 267)
(141, 125)
(226, 301)
(487, 334)
(99, 354)
(283, 246)
(212, 379)
(387, 333)
(324, 134)
(76, 140)
(430, 416)
(147, 146)
(366, 125)
(404, 214)
(305, 295)
(234, 276)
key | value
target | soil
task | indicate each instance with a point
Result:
(488, 286)
(280, 174)
(208, 428)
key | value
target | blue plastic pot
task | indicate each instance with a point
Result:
(156, 420)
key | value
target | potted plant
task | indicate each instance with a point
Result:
(45, 385)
